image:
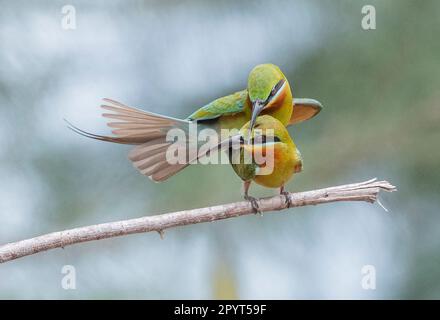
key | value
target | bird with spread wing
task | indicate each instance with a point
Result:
(268, 93)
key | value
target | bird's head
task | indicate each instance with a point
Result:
(267, 131)
(266, 143)
(267, 86)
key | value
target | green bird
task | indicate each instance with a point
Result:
(279, 157)
(268, 93)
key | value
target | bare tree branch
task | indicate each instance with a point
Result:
(363, 191)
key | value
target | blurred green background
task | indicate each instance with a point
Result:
(380, 90)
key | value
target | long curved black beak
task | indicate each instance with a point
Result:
(257, 106)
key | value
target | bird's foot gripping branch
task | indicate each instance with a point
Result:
(364, 191)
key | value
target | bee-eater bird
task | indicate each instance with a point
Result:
(281, 157)
(268, 92)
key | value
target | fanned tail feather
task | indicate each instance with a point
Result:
(148, 131)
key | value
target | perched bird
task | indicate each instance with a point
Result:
(271, 141)
(268, 92)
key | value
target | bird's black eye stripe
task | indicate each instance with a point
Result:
(263, 139)
(276, 88)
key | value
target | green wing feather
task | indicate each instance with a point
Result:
(227, 105)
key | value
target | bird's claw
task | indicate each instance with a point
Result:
(254, 203)
(287, 198)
